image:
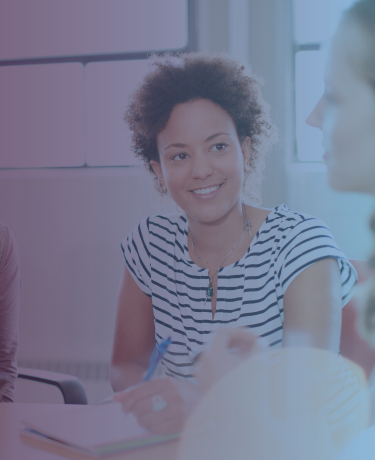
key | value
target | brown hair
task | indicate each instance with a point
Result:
(177, 79)
(362, 13)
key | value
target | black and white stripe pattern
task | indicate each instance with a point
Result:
(250, 292)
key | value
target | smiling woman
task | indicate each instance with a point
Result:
(201, 126)
(216, 78)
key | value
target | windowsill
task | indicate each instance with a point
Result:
(85, 171)
(306, 167)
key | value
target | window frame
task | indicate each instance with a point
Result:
(84, 59)
(297, 48)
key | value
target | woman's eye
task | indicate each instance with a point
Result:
(179, 156)
(219, 147)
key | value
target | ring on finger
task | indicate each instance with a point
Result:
(158, 403)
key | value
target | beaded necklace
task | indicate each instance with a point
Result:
(210, 291)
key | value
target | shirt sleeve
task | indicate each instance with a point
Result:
(10, 292)
(137, 256)
(306, 243)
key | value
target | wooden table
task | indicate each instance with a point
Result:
(14, 446)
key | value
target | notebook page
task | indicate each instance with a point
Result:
(89, 426)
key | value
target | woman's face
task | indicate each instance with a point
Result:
(202, 163)
(346, 115)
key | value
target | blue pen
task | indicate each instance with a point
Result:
(156, 356)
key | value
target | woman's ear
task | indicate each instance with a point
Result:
(158, 171)
(246, 152)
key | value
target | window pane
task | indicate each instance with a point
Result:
(316, 20)
(107, 89)
(40, 28)
(42, 116)
(309, 88)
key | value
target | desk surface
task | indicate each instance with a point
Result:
(15, 447)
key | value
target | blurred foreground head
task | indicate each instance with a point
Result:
(293, 404)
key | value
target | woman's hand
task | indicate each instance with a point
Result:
(229, 349)
(162, 405)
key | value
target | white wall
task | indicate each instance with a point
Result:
(69, 224)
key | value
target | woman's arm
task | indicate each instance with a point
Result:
(312, 318)
(134, 337)
(312, 307)
(133, 344)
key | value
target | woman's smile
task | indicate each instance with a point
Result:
(206, 192)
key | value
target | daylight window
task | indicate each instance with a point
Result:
(67, 69)
(314, 23)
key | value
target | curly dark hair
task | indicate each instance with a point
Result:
(177, 79)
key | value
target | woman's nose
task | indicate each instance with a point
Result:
(315, 118)
(202, 166)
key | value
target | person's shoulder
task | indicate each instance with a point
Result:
(168, 219)
(4, 237)
(4, 233)
(171, 223)
(8, 247)
(160, 225)
(288, 220)
(7, 239)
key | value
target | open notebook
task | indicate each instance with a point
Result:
(95, 430)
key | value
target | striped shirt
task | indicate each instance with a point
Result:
(249, 292)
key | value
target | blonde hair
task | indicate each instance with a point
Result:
(362, 14)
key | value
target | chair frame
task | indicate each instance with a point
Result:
(71, 387)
